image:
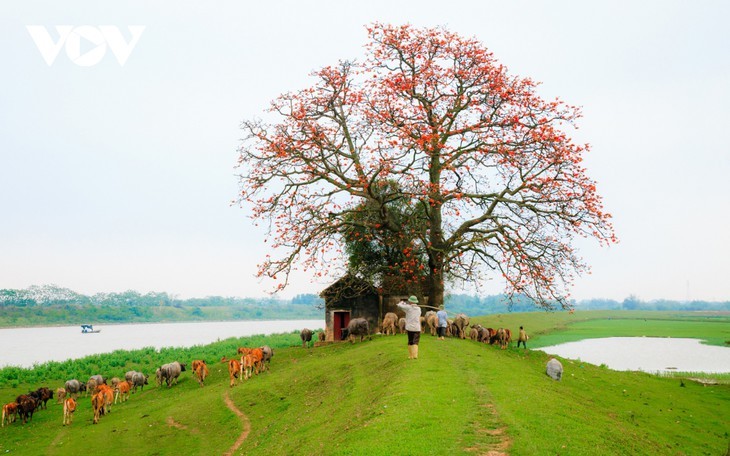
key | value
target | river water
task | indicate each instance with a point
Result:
(27, 346)
(647, 354)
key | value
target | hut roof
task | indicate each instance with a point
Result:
(348, 287)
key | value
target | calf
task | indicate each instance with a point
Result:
(247, 364)
(60, 395)
(10, 411)
(121, 391)
(200, 369)
(69, 407)
(390, 320)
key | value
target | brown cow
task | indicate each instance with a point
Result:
(69, 407)
(432, 321)
(390, 320)
(247, 365)
(27, 404)
(121, 391)
(10, 411)
(234, 369)
(97, 405)
(108, 396)
(502, 338)
(200, 369)
(60, 395)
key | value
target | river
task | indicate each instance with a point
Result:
(647, 354)
(27, 346)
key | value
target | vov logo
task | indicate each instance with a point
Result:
(95, 41)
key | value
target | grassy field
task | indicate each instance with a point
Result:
(459, 397)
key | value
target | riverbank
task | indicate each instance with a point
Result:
(338, 399)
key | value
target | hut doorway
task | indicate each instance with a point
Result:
(340, 320)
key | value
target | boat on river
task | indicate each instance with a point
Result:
(87, 329)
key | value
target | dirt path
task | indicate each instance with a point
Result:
(244, 420)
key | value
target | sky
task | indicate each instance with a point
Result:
(118, 177)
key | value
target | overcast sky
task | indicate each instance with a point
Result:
(117, 177)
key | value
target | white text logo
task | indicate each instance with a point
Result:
(93, 39)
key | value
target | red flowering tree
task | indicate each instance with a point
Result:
(487, 166)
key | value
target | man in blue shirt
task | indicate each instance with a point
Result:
(443, 323)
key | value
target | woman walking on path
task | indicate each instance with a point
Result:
(413, 324)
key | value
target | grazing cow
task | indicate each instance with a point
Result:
(170, 372)
(306, 336)
(73, 387)
(138, 379)
(97, 405)
(121, 391)
(269, 353)
(390, 320)
(26, 406)
(461, 321)
(432, 321)
(69, 407)
(358, 327)
(508, 335)
(200, 369)
(401, 325)
(10, 411)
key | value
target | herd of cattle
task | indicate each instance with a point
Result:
(104, 393)
(456, 327)
(252, 362)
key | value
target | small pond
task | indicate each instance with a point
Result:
(648, 354)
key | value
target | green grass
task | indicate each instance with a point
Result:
(459, 397)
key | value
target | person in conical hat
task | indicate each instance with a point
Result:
(413, 324)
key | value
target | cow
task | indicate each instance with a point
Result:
(26, 406)
(358, 327)
(170, 372)
(234, 369)
(200, 369)
(43, 395)
(306, 336)
(508, 335)
(10, 411)
(97, 405)
(138, 379)
(91, 387)
(474, 332)
(98, 379)
(401, 325)
(432, 321)
(461, 321)
(69, 407)
(268, 354)
(247, 365)
(121, 391)
(321, 336)
(502, 338)
(390, 320)
(114, 381)
(108, 396)
(73, 387)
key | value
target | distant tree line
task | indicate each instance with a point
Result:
(485, 305)
(50, 304)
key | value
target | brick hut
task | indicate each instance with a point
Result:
(350, 298)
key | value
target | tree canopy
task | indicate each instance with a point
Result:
(429, 140)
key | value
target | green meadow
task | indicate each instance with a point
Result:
(459, 397)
